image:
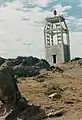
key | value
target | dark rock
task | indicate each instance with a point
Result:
(9, 92)
(51, 68)
(9, 63)
(58, 69)
(25, 61)
(24, 71)
(55, 69)
(16, 106)
(2, 60)
(30, 61)
(30, 112)
(76, 58)
(32, 71)
(26, 66)
(42, 64)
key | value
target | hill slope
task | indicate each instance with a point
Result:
(67, 84)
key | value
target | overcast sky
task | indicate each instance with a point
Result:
(22, 23)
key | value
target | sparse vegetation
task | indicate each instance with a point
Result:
(57, 92)
(53, 89)
(40, 78)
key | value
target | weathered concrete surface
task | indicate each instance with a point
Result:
(61, 51)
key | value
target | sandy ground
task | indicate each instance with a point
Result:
(69, 81)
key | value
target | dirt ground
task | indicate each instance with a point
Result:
(70, 81)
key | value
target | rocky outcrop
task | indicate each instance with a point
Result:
(2, 60)
(8, 89)
(26, 66)
(13, 106)
(26, 71)
(42, 64)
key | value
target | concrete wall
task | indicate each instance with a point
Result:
(54, 50)
(66, 53)
(61, 51)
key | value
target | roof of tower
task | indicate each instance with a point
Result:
(55, 19)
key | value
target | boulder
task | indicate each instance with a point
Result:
(13, 106)
(58, 69)
(9, 93)
(51, 68)
(75, 59)
(2, 60)
(31, 112)
(43, 64)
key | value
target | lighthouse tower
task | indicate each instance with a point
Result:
(56, 39)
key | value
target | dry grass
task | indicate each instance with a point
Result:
(71, 84)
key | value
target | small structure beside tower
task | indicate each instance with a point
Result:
(56, 38)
